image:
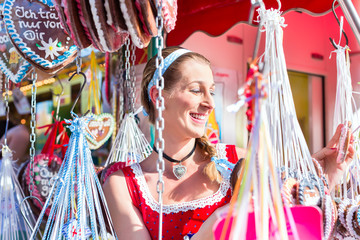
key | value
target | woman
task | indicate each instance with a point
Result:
(193, 197)
(188, 93)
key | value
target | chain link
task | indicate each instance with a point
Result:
(78, 62)
(32, 135)
(121, 88)
(133, 77)
(1, 84)
(7, 108)
(159, 124)
(127, 74)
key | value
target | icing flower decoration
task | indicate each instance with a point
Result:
(51, 49)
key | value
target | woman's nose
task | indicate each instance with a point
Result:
(209, 100)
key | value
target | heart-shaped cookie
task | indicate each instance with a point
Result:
(62, 18)
(139, 37)
(35, 30)
(71, 10)
(11, 63)
(110, 39)
(43, 175)
(169, 13)
(100, 128)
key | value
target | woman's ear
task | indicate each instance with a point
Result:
(153, 94)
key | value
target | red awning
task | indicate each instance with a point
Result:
(215, 17)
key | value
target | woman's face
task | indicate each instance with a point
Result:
(189, 103)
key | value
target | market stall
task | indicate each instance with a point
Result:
(93, 54)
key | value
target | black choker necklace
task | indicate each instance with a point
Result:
(178, 170)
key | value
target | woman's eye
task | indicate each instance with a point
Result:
(195, 90)
(212, 93)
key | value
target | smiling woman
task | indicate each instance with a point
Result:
(196, 175)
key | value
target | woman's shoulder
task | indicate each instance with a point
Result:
(115, 170)
(241, 152)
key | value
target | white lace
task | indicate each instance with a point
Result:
(178, 207)
(221, 151)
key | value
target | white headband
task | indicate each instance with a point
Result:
(167, 62)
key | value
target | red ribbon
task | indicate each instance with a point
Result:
(50, 144)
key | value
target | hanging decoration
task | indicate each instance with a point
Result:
(16, 220)
(92, 23)
(302, 179)
(135, 21)
(76, 195)
(290, 151)
(73, 23)
(101, 125)
(47, 164)
(347, 190)
(35, 31)
(246, 95)
(257, 177)
(130, 145)
(12, 222)
(99, 130)
(11, 63)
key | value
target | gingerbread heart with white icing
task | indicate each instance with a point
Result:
(46, 167)
(169, 13)
(134, 25)
(11, 63)
(103, 36)
(35, 30)
(99, 129)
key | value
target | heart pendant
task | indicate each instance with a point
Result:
(100, 128)
(35, 31)
(179, 171)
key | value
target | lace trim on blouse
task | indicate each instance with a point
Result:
(178, 207)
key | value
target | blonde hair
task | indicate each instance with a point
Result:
(210, 151)
(171, 76)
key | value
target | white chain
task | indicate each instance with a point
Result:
(120, 71)
(1, 84)
(78, 61)
(133, 77)
(32, 135)
(159, 124)
(127, 74)
(7, 109)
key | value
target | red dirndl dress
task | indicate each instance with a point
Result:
(178, 219)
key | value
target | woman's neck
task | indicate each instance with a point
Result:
(177, 148)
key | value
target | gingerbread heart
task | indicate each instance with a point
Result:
(35, 30)
(44, 174)
(99, 129)
(11, 63)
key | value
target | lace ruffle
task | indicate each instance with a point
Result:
(179, 207)
(221, 151)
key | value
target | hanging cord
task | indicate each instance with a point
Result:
(159, 123)
(94, 90)
(133, 78)
(32, 135)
